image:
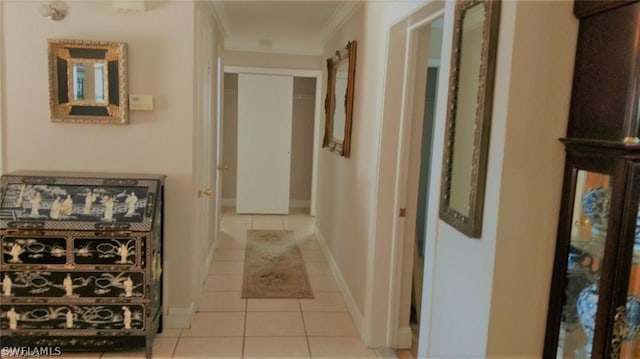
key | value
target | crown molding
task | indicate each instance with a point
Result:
(339, 17)
(220, 15)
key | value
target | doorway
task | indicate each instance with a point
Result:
(419, 40)
(304, 100)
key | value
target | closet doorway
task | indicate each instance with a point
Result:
(271, 129)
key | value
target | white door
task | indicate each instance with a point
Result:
(264, 143)
(205, 152)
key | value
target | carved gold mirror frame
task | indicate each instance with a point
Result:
(88, 81)
(473, 64)
(338, 103)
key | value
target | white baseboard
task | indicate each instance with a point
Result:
(207, 266)
(294, 203)
(299, 203)
(178, 318)
(356, 315)
(405, 338)
(386, 353)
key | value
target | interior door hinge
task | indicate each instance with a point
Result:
(403, 212)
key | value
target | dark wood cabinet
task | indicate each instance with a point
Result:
(594, 304)
(81, 264)
(605, 92)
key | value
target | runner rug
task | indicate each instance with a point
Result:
(273, 266)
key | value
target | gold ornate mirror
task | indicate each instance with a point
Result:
(88, 81)
(473, 63)
(339, 101)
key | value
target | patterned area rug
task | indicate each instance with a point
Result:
(273, 267)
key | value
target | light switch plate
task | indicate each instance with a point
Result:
(141, 102)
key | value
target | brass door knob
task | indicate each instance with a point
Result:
(206, 192)
(223, 167)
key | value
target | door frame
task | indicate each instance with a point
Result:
(317, 74)
(205, 232)
(392, 177)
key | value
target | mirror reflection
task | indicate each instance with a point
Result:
(339, 113)
(464, 168)
(338, 103)
(466, 108)
(89, 82)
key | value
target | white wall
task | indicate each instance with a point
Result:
(536, 114)
(263, 59)
(493, 291)
(160, 63)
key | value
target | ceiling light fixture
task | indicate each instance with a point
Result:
(55, 10)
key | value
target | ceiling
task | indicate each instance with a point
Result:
(289, 27)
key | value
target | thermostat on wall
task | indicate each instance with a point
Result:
(141, 102)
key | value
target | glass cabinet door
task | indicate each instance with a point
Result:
(626, 332)
(630, 339)
(584, 264)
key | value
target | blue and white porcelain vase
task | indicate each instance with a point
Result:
(595, 203)
(587, 306)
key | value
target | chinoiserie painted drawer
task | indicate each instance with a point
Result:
(77, 317)
(75, 285)
(100, 249)
(77, 203)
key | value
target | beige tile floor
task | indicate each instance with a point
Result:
(228, 326)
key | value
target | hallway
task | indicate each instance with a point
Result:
(227, 326)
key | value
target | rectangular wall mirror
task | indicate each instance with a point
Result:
(88, 81)
(473, 63)
(339, 101)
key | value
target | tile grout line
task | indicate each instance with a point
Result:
(304, 325)
(246, 314)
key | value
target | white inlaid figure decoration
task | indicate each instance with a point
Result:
(127, 317)
(131, 202)
(6, 285)
(123, 251)
(55, 208)
(13, 318)
(21, 196)
(15, 252)
(67, 206)
(128, 287)
(35, 204)
(108, 207)
(88, 202)
(70, 317)
(68, 285)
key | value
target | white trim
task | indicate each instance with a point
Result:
(434, 62)
(294, 203)
(386, 353)
(272, 71)
(339, 17)
(220, 15)
(352, 307)
(433, 207)
(317, 132)
(178, 317)
(207, 267)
